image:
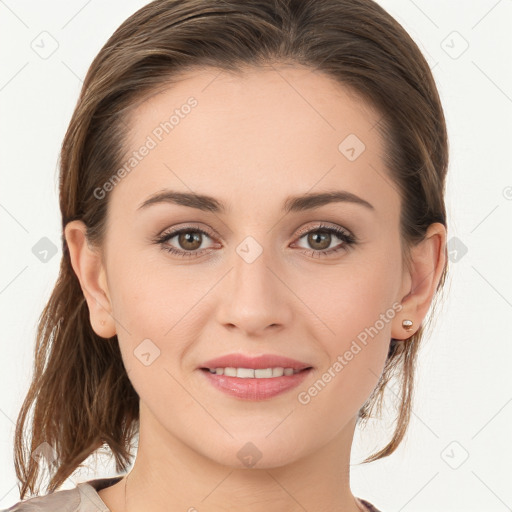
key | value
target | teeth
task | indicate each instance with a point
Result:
(250, 373)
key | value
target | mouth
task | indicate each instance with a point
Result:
(255, 384)
(249, 377)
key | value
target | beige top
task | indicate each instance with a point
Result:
(85, 498)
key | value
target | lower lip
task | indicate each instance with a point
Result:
(255, 389)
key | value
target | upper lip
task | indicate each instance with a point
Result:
(256, 362)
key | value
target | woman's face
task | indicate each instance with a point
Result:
(256, 283)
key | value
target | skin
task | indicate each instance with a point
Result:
(253, 140)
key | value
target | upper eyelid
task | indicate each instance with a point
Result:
(326, 225)
(323, 225)
(301, 232)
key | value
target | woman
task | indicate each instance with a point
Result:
(254, 230)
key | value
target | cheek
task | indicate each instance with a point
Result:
(147, 292)
(156, 309)
(346, 299)
(354, 353)
(353, 310)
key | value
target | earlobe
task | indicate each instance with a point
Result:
(428, 260)
(88, 267)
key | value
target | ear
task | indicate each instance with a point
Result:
(88, 267)
(420, 281)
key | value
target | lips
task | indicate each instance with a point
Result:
(256, 389)
(257, 362)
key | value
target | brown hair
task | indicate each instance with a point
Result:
(82, 396)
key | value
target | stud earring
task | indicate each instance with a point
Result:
(103, 322)
(407, 325)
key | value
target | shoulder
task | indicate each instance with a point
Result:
(83, 498)
(60, 501)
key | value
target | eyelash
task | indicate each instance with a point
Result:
(343, 234)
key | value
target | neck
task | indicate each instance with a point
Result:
(166, 474)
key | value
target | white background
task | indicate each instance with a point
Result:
(463, 401)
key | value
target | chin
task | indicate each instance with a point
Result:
(258, 453)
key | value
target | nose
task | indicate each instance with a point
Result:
(255, 297)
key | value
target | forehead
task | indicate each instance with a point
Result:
(265, 132)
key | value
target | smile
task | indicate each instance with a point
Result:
(245, 385)
(253, 373)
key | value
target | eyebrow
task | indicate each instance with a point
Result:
(292, 203)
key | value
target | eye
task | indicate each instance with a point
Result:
(321, 237)
(190, 239)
